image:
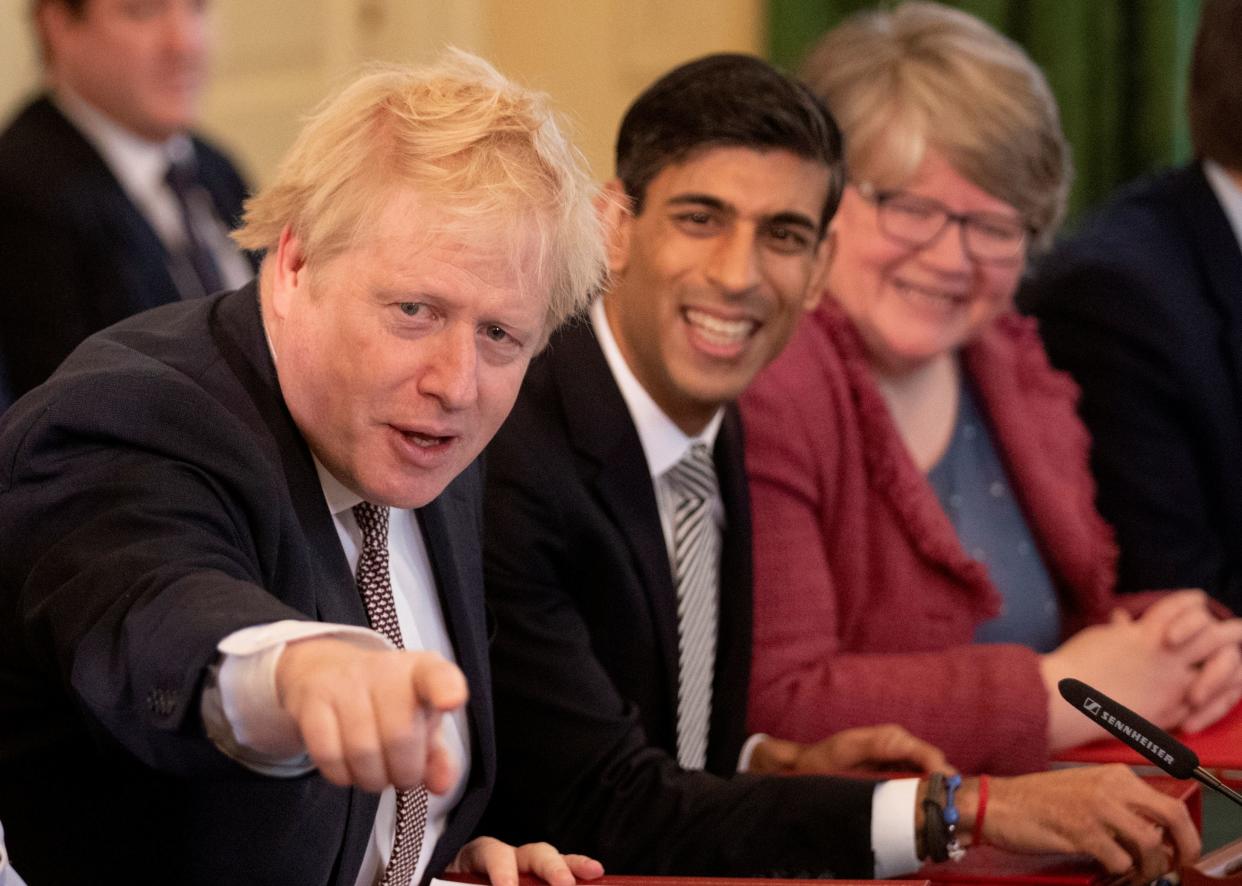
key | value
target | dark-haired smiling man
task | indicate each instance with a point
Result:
(617, 543)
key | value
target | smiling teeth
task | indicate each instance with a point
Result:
(423, 440)
(723, 331)
(932, 294)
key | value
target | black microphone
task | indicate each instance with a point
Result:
(1147, 738)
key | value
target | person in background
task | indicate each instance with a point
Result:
(618, 540)
(109, 203)
(1144, 308)
(927, 548)
(242, 633)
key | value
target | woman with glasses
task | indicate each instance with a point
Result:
(927, 549)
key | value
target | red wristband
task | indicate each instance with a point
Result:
(980, 811)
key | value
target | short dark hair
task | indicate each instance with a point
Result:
(1215, 97)
(726, 100)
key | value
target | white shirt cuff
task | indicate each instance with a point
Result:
(245, 718)
(892, 827)
(748, 751)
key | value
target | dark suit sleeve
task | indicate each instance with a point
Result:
(575, 767)
(127, 558)
(1122, 337)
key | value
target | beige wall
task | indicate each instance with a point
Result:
(18, 67)
(276, 58)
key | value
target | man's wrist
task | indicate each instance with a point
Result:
(968, 808)
(966, 802)
(746, 757)
(771, 756)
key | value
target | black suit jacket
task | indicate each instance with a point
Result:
(78, 255)
(155, 496)
(1144, 308)
(585, 653)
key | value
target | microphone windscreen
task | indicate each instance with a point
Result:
(1148, 739)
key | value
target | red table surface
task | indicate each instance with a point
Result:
(1219, 748)
(609, 880)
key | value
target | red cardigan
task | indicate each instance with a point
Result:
(865, 601)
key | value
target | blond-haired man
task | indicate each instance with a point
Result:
(221, 516)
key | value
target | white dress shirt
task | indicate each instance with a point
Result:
(1228, 193)
(8, 876)
(266, 739)
(140, 166)
(664, 444)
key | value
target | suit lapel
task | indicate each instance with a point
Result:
(612, 463)
(244, 347)
(733, 637)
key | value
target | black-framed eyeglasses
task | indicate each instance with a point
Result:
(917, 221)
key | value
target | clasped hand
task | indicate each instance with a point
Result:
(1177, 664)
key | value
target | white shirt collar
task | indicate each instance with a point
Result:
(338, 496)
(1228, 193)
(138, 164)
(664, 444)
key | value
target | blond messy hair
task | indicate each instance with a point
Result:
(924, 75)
(487, 155)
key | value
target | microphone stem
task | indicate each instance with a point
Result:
(1203, 776)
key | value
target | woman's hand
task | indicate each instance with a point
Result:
(501, 863)
(1214, 642)
(1176, 665)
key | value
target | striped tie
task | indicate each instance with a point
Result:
(696, 567)
(375, 586)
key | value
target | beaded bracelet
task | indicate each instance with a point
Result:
(951, 818)
(940, 818)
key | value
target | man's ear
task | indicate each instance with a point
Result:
(824, 254)
(289, 272)
(615, 208)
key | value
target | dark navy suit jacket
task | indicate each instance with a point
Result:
(1144, 308)
(155, 495)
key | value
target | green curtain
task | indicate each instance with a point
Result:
(1118, 69)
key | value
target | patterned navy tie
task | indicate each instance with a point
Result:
(183, 182)
(696, 568)
(375, 586)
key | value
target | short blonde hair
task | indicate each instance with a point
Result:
(924, 75)
(488, 155)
